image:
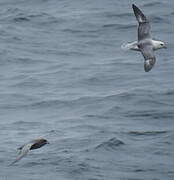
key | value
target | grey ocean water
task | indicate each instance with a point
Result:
(64, 76)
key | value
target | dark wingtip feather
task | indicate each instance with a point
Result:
(133, 6)
(138, 13)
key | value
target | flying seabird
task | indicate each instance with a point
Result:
(145, 43)
(24, 149)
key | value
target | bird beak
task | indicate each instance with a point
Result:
(165, 46)
(48, 142)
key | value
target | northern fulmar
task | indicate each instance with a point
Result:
(145, 43)
(24, 149)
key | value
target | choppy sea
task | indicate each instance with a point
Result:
(64, 77)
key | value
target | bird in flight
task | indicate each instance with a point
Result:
(24, 149)
(145, 44)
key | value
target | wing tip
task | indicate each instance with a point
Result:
(135, 8)
(139, 15)
(148, 64)
(12, 163)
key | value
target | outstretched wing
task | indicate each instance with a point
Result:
(23, 152)
(149, 56)
(144, 25)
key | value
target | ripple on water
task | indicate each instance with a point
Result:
(147, 133)
(111, 144)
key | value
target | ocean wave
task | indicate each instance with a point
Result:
(119, 15)
(111, 144)
(80, 168)
(18, 15)
(30, 82)
(158, 19)
(13, 101)
(20, 19)
(120, 26)
(28, 123)
(151, 4)
(168, 93)
(33, 163)
(49, 103)
(28, 61)
(67, 103)
(150, 114)
(147, 133)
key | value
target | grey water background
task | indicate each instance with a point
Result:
(64, 76)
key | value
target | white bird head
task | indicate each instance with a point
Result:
(160, 45)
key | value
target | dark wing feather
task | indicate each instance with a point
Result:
(141, 18)
(143, 31)
(144, 25)
(149, 56)
(37, 143)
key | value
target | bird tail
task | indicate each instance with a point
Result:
(130, 46)
(125, 46)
